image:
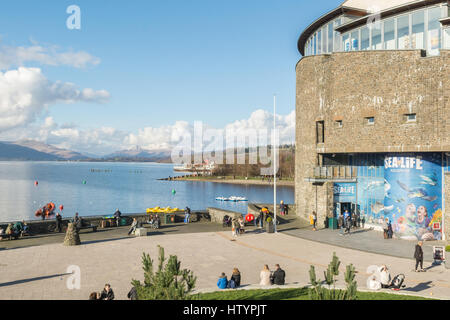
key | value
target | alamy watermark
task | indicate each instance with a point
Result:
(74, 280)
(73, 22)
(229, 147)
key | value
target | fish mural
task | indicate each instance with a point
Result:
(378, 207)
(416, 193)
(374, 185)
(430, 180)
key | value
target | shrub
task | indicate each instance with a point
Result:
(169, 282)
(447, 248)
(318, 292)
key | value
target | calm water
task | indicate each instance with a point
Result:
(131, 187)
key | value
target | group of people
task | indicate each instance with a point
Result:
(17, 229)
(385, 281)
(106, 294)
(347, 221)
(267, 278)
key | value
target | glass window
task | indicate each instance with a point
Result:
(330, 37)
(346, 42)
(324, 39)
(403, 32)
(447, 38)
(389, 34)
(355, 40)
(434, 31)
(315, 44)
(365, 38)
(376, 38)
(418, 30)
(319, 42)
(337, 36)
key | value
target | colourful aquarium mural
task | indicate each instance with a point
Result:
(413, 195)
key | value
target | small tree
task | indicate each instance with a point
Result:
(318, 292)
(169, 282)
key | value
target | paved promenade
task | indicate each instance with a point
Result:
(40, 272)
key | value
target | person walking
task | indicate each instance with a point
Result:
(58, 223)
(187, 215)
(117, 216)
(418, 255)
(341, 224)
(282, 208)
(390, 231)
(348, 224)
(234, 228)
(265, 276)
(278, 276)
(385, 228)
(314, 220)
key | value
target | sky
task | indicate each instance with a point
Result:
(137, 72)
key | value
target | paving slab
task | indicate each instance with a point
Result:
(41, 272)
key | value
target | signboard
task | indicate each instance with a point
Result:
(413, 195)
(344, 192)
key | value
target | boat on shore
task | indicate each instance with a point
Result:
(232, 198)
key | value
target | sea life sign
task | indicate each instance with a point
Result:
(414, 196)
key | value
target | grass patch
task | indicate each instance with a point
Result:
(291, 294)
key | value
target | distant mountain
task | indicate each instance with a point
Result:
(137, 153)
(61, 154)
(11, 151)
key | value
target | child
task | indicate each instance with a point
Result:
(222, 283)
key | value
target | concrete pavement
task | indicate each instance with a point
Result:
(40, 272)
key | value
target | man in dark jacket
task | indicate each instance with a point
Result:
(58, 222)
(117, 215)
(418, 255)
(278, 276)
(107, 293)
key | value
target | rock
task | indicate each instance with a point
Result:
(72, 237)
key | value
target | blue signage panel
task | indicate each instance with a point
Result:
(344, 192)
(413, 195)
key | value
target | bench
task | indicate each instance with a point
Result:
(94, 228)
(10, 236)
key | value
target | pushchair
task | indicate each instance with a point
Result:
(226, 221)
(397, 282)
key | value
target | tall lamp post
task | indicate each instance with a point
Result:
(274, 151)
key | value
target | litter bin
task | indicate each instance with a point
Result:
(170, 218)
(123, 222)
(332, 223)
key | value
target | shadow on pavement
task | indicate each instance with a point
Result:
(12, 283)
(420, 287)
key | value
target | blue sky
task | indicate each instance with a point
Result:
(167, 61)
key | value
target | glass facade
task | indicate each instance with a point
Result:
(419, 29)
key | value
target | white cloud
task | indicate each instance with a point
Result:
(26, 93)
(106, 140)
(19, 56)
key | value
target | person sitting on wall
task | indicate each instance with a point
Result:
(278, 276)
(222, 283)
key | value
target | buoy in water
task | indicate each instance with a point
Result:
(84, 181)
(173, 191)
(36, 183)
(61, 208)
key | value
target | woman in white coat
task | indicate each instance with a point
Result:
(265, 276)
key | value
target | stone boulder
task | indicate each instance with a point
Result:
(72, 237)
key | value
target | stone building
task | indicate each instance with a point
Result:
(373, 116)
